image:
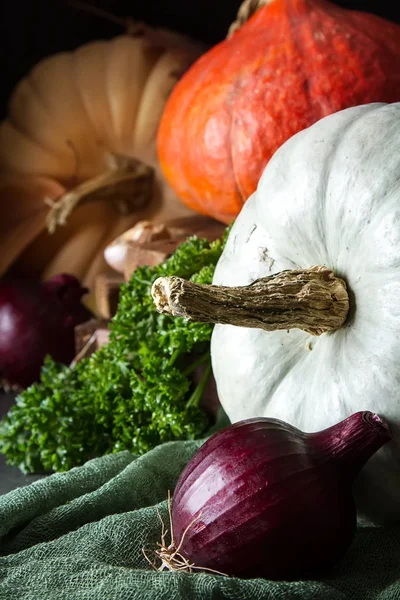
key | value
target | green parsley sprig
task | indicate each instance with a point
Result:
(133, 393)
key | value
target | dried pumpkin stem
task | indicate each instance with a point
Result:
(127, 183)
(313, 300)
(246, 10)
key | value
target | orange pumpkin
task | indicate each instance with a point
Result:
(290, 64)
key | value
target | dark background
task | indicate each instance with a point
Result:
(32, 29)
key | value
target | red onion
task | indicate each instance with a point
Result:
(261, 498)
(37, 319)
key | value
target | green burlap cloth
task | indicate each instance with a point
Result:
(79, 536)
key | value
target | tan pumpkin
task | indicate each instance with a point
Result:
(85, 123)
(22, 216)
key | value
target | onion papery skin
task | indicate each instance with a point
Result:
(263, 499)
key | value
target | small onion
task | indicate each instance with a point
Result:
(37, 319)
(261, 498)
(144, 231)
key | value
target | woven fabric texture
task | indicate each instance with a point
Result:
(79, 536)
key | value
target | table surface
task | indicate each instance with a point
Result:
(10, 477)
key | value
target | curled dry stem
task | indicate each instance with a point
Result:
(126, 182)
(168, 556)
(159, 37)
(246, 10)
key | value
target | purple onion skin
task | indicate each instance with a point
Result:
(37, 319)
(261, 498)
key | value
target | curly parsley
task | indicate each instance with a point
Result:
(133, 393)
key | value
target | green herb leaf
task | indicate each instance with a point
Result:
(133, 393)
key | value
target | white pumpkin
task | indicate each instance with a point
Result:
(329, 196)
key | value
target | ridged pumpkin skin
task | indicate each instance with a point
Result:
(329, 196)
(66, 117)
(292, 63)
